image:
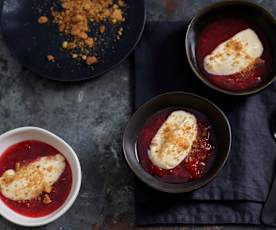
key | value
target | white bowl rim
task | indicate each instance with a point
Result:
(77, 173)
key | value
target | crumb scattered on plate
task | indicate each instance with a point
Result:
(50, 58)
(74, 20)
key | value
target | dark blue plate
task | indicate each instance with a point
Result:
(30, 42)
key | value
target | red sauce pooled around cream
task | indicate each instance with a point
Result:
(24, 153)
(221, 30)
(194, 166)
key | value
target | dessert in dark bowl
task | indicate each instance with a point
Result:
(177, 142)
(231, 51)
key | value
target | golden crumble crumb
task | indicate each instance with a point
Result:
(46, 199)
(50, 58)
(89, 42)
(71, 45)
(91, 60)
(117, 16)
(120, 31)
(64, 45)
(42, 20)
(74, 56)
(121, 3)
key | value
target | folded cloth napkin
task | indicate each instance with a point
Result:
(238, 193)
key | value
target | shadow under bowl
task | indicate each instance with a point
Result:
(252, 12)
(220, 126)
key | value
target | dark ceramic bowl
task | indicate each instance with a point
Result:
(248, 10)
(178, 100)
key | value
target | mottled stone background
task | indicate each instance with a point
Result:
(91, 117)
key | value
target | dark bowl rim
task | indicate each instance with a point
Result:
(196, 186)
(197, 17)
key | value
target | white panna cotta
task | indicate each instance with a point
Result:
(31, 180)
(235, 55)
(174, 139)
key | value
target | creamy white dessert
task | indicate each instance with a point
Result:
(31, 180)
(174, 139)
(235, 55)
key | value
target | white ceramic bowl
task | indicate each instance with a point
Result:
(32, 133)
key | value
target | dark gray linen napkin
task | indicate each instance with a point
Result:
(238, 193)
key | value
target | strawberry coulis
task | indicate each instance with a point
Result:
(194, 166)
(24, 153)
(221, 30)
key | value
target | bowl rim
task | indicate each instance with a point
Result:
(76, 173)
(197, 17)
(138, 171)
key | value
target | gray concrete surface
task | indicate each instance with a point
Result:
(91, 117)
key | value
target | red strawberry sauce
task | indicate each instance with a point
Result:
(221, 30)
(24, 153)
(194, 166)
